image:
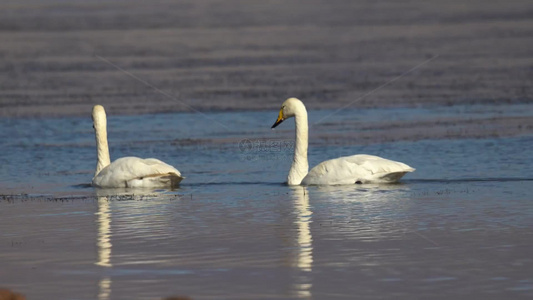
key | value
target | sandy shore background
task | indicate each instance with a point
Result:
(57, 57)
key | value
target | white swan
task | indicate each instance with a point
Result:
(359, 168)
(127, 171)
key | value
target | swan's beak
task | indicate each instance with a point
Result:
(280, 119)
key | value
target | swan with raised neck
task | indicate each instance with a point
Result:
(127, 172)
(360, 168)
(293, 107)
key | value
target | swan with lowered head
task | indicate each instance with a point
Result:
(359, 168)
(127, 171)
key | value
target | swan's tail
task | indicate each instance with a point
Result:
(170, 179)
(175, 180)
(392, 177)
(156, 180)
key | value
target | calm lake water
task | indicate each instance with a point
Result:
(459, 227)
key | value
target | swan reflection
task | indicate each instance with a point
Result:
(104, 286)
(103, 243)
(103, 221)
(366, 213)
(304, 261)
(366, 192)
(128, 193)
(104, 233)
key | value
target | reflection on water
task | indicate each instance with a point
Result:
(103, 221)
(128, 193)
(367, 211)
(104, 245)
(104, 289)
(366, 192)
(306, 242)
(104, 233)
(305, 239)
(233, 231)
(303, 220)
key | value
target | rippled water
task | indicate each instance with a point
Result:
(459, 227)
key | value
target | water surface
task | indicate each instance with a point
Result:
(458, 227)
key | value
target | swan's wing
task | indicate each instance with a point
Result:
(137, 172)
(359, 168)
(377, 165)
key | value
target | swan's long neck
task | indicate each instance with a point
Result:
(102, 149)
(300, 166)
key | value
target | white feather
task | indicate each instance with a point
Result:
(359, 168)
(137, 172)
(127, 171)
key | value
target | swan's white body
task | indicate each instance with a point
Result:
(359, 168)
(137, 172)
(127, 171)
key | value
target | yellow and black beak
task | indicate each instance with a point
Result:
(280, 118)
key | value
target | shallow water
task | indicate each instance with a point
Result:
(460, 226)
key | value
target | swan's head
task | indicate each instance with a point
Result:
(289, 109)
(99, 117)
